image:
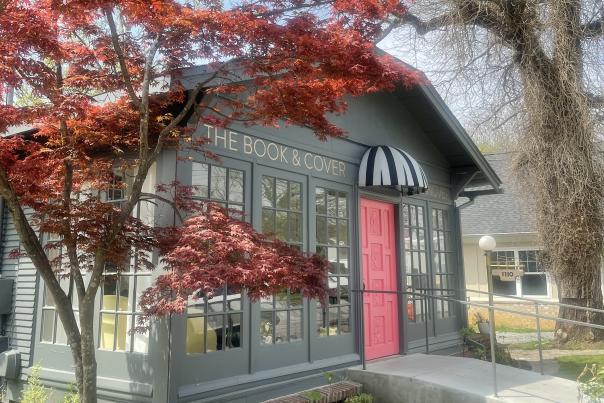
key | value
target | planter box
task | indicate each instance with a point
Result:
(335, 392)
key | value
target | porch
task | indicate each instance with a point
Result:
(419, 378)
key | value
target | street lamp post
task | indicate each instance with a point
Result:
(487, 244)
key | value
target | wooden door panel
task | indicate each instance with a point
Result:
(379, 274)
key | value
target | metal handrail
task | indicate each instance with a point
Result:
(540, 302)
(491, 307)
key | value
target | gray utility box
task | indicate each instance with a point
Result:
(10, 364)
(6, 296)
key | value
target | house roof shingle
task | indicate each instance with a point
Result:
(504, 213)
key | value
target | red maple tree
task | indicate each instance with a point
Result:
(98, 81)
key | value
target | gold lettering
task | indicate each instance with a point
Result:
(282, 150)
(342, 168)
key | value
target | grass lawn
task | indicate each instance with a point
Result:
(513, 329)
(571, 366)
(548, 345)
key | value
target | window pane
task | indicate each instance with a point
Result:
(266, 327)
(321, 230)
(281, 299)
(200, 179)
(295, 299)
(295, 227)
(332, 231)
(281, 194)
(281, 227)
(110, 293)
(236, 186)
(331, 203)
(268, 221)
(332, 257)
(320, 201)
(503, 287)
(321, 322)
(107, 330)
(345, 319)
(295, 326)
(124, 302)
(48, 298)
(122, 342)
(48, 325)
(343, 232)
(233, 331)
(266, 302)
(216, 303)
(344, 291)
(195, 335)
(215, 333)
(534, 284)
(281, 327)
(342, 205)
(218, 183)
(295, 196)
(268, 191)
(344, 265)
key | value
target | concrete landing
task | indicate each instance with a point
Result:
(420, 378)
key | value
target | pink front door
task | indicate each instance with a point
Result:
(379, 273)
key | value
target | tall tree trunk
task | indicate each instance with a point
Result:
(89, 365)
(564, 174)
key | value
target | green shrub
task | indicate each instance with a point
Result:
(35, 392)
(72, 395)
(362, 398)
(591, 384)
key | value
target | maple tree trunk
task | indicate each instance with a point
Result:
(89, 365)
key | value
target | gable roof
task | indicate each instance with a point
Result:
(505, 213)
(469, 167)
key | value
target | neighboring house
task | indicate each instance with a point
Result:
(510, 219)
(325, 197)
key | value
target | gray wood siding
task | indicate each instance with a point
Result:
(20, 329)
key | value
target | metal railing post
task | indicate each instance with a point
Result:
(425, 303)
(492, 334)
(539, 337)
(362, 336)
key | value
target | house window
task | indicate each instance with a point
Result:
(443, 255)
(503, 258)
(119, 310)
(534, 280)
(416, 265)
(214, 322)
(333, 243)
(281, 314)
(52, 330)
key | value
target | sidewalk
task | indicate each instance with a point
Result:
(420, 378)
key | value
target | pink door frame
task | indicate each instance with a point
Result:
(378, 253)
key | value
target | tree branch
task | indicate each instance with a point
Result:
(120, 56)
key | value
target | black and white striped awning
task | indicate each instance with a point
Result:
(389, 166)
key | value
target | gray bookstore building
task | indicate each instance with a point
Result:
(379, 204)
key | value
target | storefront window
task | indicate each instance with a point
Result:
(332, 239)
(445, 277)
(219, 184)
(52, 329)
(281, 315)
(119, 310)
(214, 323)
(416, 265)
